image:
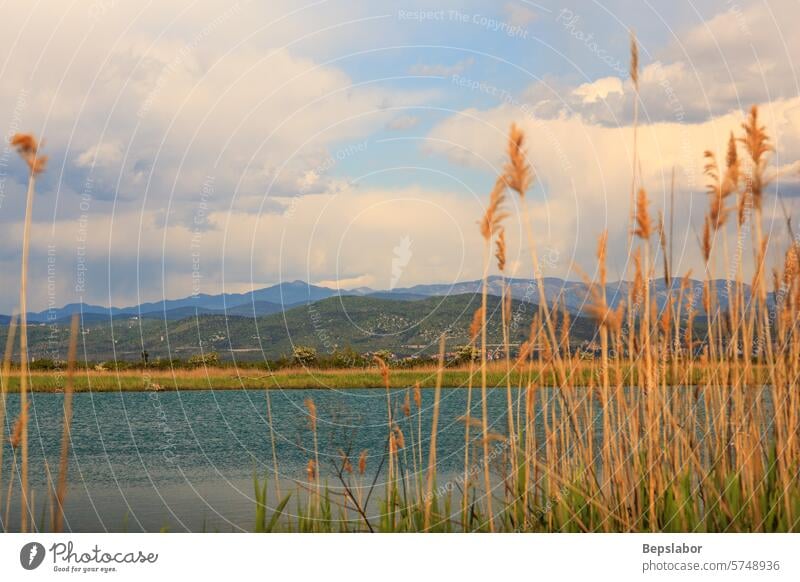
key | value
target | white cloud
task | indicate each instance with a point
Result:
(104, 154)
(743, 55)
(320, 238)
(348, 283)
(584, 170)
(600, 89)
(158, 107)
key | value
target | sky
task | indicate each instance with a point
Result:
(207, 147)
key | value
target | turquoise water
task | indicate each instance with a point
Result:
(141, 461)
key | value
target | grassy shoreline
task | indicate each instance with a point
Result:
(298, 378)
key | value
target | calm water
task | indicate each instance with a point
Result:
(186, 460)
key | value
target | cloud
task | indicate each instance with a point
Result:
(441, 70)
(741, 55)
(148, 110)
(788, 176)
(583, 171)
(128, 258)
(348, 283)
(103, 154)
(600, 89)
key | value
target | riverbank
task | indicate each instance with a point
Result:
(230, 378)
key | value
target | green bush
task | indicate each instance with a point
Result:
(44, 364)
(466, 353)
(211, 360)
(304, 356)
(347, 358)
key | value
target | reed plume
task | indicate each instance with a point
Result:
(634, 62)
(500, 253)
(494, 213)
(28, 149)
(757, 144)
(518, 174)
(475, 326)
(16, 432)
(312, 413)
(311, 471)
(644, 226)
(399, 438)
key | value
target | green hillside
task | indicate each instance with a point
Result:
(364, 324)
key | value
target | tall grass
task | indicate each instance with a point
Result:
(635, 440)
(28, 148)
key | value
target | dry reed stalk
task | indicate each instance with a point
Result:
(312, 418)
(505, 303)
(519, 177)
(57, 503)
(434, 428)
(418, 405)
(14, 441)
(272, 445)
(606, 319)
(474, 330)
(384, 370)
(644, 230)
(28, 148)
(12, 331)
(489, 228)
(634, 75)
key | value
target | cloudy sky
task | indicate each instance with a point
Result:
(221, 146)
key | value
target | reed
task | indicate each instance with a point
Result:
(57, 503)
(431, 473)
(28, 149)
(12, 329)
(670, 430)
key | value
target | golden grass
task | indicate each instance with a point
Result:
(667, 431)
(28, 148)
(57, 502)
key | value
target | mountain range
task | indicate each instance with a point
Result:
(269, 322)
(274, 299)
(362, 323)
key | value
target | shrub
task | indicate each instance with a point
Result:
(467, 353)
(347, 358)
(211, 359)
(304, 356)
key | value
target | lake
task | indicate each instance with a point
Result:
(143, 461)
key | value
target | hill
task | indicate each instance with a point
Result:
(362, 323)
